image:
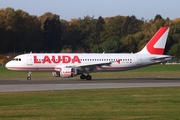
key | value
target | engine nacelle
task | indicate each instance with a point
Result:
(68, 72)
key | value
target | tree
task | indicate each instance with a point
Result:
(51, 28)
(71, 38)
(111, 45)
(158, 17)
(87, 28)
(175, 51)
(128, 44)
(131, 25)
(7, 23)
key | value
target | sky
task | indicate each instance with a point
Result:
(70, 9)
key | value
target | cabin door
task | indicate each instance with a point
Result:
(29, 60)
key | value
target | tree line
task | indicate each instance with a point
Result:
(23, 33)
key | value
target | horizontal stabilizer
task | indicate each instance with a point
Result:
(162, 58)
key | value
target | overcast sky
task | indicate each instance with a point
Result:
(69, 9)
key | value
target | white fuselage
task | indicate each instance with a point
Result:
(99, 61)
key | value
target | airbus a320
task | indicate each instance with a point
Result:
(72, 64)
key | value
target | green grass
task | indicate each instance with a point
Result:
(108, 104)
(154, 71)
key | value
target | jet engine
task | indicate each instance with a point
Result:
(68, 72)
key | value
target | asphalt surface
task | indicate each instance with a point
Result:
(70, 84)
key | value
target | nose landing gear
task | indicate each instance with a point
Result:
(29, 76)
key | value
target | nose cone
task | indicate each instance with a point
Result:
(8, 65)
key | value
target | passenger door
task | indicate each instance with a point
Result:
(29, 60)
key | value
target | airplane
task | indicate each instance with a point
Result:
(72, 64)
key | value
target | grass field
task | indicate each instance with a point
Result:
(101, 104)
(154, 71)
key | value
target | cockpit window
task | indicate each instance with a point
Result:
(16, 59)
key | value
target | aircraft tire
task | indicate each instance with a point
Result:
(88, 77)
(82, 76)
(28, 78)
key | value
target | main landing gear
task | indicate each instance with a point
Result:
(87, 77)
(29, 76)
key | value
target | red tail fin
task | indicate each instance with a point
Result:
(157, 43)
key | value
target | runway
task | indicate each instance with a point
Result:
(71, 84)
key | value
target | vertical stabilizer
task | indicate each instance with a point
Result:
(157, 43)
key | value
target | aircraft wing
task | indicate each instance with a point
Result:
(86, 65)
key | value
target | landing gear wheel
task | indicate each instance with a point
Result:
(82, 76)
(29, 75)
(28, 78)
(88, 77)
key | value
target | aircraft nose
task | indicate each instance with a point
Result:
(8, 65)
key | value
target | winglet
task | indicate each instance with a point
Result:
(157, 43)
